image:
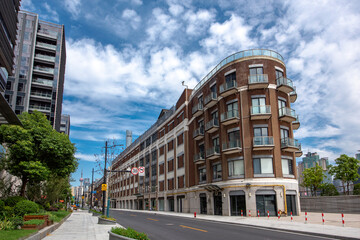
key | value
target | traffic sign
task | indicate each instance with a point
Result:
(141, 171)
(134, 171)
(103, 187)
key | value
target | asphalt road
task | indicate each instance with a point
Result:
(163, 227)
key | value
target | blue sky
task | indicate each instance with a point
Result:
(126, 60)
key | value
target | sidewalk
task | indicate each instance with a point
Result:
(81, 225)
(332, 227)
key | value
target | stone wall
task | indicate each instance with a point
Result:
(331, 204)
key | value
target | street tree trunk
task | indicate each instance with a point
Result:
(343, 187)
(23, 186)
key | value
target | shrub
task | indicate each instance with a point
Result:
(356, 189)
(2, 205)
(24, 207)
(130, 233)
(329, 189)
(6, 224)
(12, 201)
(8, 211)
(108, 218)
(17, 221)
(35, 221)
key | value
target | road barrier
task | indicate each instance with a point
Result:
(242, 214)
(343, 221)
(291, 216)
(194, 214)
(306, 217)
(249, 213)
(268, 215)
(323, 220)
(278, 215)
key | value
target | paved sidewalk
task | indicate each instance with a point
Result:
(81, 225)
(332, 227)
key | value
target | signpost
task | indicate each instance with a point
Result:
(134, 171)
(103, 187)
(141, 171)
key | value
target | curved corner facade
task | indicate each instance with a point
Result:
(226, 148)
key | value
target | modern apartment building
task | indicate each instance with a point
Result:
(226, 147)
(38, 80)
(8, 21)
(65, 124)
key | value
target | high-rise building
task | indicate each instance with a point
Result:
(226, 147)
(8, 21)
(39, 68)
(65, 124)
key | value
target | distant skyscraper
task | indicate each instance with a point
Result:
(39, 68)
(65, 124)
(8, 25)
(128, 138)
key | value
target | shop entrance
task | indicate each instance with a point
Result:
(203, 204)
(237, 203)
(266, 201)
(291, 203)
(217, 203)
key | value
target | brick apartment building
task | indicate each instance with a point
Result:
(226, 147)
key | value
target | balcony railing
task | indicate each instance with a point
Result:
(258, 78)
(199, 157)
(284, 111)
(39, 94)
(212, 123)
(284, 81)
(231, 145)
(46, 45)
(212, 151)
(45, 57)
(43, 81)
(44, 69)
(197, 107)
(260, 109)
(198, 132)
(229, 115)
(290, 142)
(227, 85)
(41, 108)
(211, 97)
(263, 141)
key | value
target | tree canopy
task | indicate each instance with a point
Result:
(346, 170)
(35, 150)
(313, 178)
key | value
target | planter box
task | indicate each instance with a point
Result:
(113, 236)
(96, 214)
(106, 221)
(34, 226)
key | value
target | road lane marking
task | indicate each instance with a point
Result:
(152, 219)
(201, 230)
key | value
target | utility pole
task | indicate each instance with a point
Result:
(104, 182)
(92, 189)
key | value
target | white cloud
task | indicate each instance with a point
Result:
(27, 5)
(136, 2)
(198, 21)
(51, 14)
(132, 17)
(73, 7)
(86, 157)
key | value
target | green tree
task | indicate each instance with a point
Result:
(346, 170)
(328, 189)
(36, 150)
(313, 178)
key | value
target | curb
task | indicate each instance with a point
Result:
(254, 226)
(45, 231)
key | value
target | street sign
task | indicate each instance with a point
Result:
(134, 171)
(141, 171)
(103, 187)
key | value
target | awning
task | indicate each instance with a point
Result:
(212, 188)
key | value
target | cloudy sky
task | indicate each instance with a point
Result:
(126, 60)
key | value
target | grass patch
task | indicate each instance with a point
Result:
(92, 210)
(130, 233)
(35, 221)
(108, 218)
(15, 234)
(58, 216)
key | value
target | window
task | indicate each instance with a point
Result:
(213, 90)
(260, 131)
(161, 168)
(161, 150)
(181, 181)
(287, 166)
(216, 142)
(200, 101)
(258, 105)
(278, 73)
(180, 161)
(215, 116)
(217, 172)
(256, 71)
(8, 85)
(201, 126)
(263, 166)
(170, 145)
(233, 136)
(180, 139)
(201, 149)
(19, 100)
(202, 175)
(170, 184)
(284, 133)
(230, 77)
(232, 107)
(236, 168)
(170, 164)
(281, 103)
(154, 156)
(180, 118)
(171, 126)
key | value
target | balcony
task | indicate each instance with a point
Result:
(43, 82)
(228, 88)
(46, 34)
(40, 108)
(231, 147)
(230, 117)
(298, 153)
(44, 70)
(210, 100)
(198, 133)
(290, 145)
(296, 123)
(46, 46)
(213, 152)
(40, 95)
(197, 110)
(199, 158)
(284, 85)
(287, 114)
(212, 125)
(258, 81)
(44, 58)
(293, 95)
(263, 143)
(260, 112)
